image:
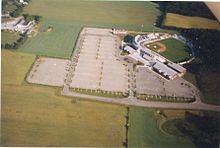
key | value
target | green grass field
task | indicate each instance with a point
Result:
(15, 66)
(182, 21)
(98, 13)
(144, 131)
(68, 17)
(35, 115)
(9, 37)
(57, 43)
(175, 50)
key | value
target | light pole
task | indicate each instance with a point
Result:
(142, 27)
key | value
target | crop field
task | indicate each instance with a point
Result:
(144, 131)
(68, 17)
(35, 115)
(9, 37)
(57, 43)
(182, 21)
(175, 50)
(12, 73)
(102, 14)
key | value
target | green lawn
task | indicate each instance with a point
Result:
(144, 131)
(176, 50)
(35, 115)
(9, 37)
(57, 43)
(68, 17)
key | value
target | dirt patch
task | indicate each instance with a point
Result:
(49, 29)
(157, 46)
(162, 47)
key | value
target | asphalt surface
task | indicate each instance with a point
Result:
(197, 105)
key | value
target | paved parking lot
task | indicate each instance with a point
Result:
(98, 66)
(49, 71)
(149, 83)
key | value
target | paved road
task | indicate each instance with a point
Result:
(197, 105)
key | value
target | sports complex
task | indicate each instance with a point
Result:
(96, 65)
(77, 82)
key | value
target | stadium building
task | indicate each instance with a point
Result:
(139, 53)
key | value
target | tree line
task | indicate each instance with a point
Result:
(183, 8)
(17, 44)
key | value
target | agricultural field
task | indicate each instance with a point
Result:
(15, 66)
(41, 117)
(9, 37)
(175, 50)
(58, 42)
(68, 17)
(182, 21)
(144, 131)
(102, 14)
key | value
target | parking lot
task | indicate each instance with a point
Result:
(98, 66)
(151, 84)
(49, 71)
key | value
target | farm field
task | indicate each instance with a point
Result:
(175, 50)
(41, 117)
(11, 72)
(9, 37)
(102, 14)
(57, 43)
(182, 21)
(144, 131)
(68, 17)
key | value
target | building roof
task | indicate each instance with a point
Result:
(129, 49)
(164, 69)
(177, 67)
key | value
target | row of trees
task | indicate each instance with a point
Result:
(28, 17)
(17, 44)
(183, 8)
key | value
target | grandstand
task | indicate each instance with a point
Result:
(139, 53)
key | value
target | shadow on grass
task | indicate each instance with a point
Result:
(204, 131)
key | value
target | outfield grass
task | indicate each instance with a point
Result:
(144, 131)
(57, 43)
(175, 50)
(35, 115)
(182, 21)
(9, 37)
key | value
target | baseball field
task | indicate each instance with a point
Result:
(171, 49)
(37, 115)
